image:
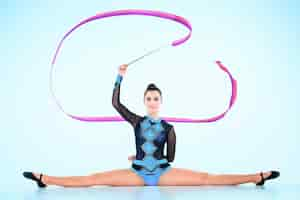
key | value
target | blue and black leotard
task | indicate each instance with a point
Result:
(150, 138)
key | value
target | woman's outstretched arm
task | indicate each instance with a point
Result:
(129, 116)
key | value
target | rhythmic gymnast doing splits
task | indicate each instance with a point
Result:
(149, 165)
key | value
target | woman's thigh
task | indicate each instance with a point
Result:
(180, 176)
(117, 177)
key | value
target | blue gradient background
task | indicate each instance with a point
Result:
(256, 40)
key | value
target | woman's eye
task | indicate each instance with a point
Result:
(148, 98)
(156, 99)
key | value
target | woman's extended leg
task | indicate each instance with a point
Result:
(117, 177)
(179, 176)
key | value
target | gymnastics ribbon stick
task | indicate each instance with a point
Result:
(174, 43)
(99, 16)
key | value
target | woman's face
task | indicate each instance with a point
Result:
(152, 101)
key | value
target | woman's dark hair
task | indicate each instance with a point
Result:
(151, 87)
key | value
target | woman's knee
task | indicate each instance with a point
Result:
(205, 178)
(96, 179)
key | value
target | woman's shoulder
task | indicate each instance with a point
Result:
(166, 125)
(140, 118)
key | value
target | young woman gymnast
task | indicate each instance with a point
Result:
(149, 166)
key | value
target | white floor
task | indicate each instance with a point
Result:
(269, 191)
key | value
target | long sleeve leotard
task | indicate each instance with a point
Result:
(150, 135)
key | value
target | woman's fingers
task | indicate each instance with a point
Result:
(122, 69)
(124, 66)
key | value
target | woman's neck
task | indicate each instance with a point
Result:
(154, 115)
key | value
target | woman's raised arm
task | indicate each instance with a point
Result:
(129, 116)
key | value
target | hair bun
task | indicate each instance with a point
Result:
(151, 86)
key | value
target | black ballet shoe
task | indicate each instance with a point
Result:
(274, 174)
(31, 176)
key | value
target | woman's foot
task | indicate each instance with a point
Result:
(35, 177)
(262, 177)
